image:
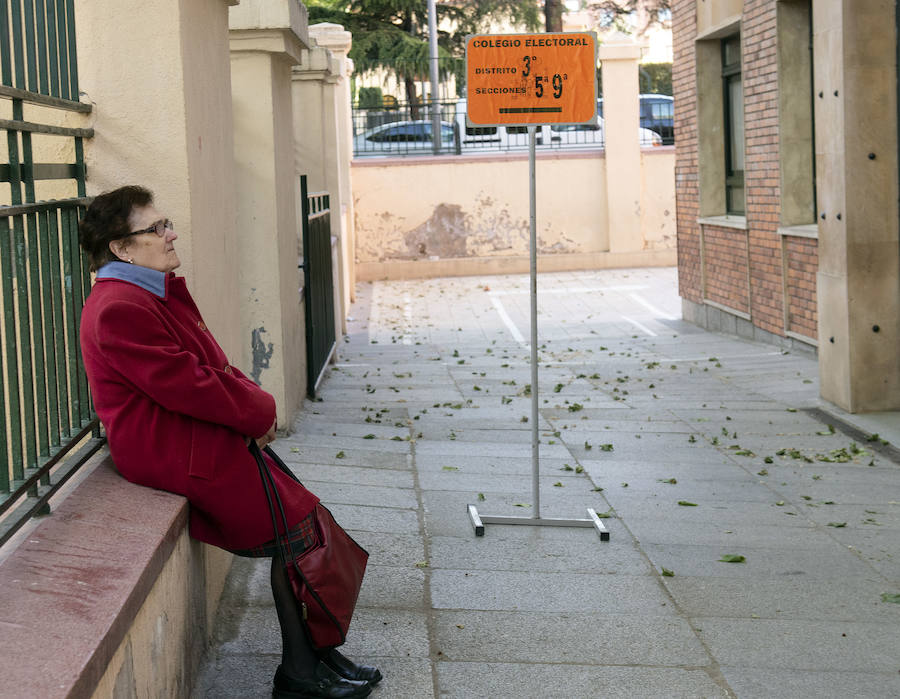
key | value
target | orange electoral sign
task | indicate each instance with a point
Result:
(531, 78)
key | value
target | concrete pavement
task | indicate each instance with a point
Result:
(697, 446)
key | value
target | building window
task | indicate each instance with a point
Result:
(733, 101)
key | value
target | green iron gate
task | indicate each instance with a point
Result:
(318, 290)
(49, 425)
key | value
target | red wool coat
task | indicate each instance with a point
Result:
(176, 413)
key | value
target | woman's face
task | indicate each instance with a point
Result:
(147, 248)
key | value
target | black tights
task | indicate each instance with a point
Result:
(298, 657)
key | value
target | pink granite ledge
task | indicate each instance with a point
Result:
(70, 592)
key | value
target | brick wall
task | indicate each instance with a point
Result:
(727, 261)
(725, 257)
(687, 192)
(802, 261)
(761, 169)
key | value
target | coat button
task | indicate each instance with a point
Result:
(228, 369)
(201, 325)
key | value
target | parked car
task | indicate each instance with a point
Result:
(580, 136)
(657, 113)
(400, 137)
(646, 137)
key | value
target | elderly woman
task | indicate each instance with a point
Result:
(178, 417)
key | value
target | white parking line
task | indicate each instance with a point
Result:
(407, 316)
(570, 290)
(640, 326)
(501, 311)
(514, 331)
(653, 309)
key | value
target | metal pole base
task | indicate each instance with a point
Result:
(478, 521)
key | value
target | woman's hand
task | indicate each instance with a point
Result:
(268, 436)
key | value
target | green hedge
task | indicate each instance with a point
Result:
(370, 98)
(653, 79)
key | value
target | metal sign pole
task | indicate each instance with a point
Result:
(535, 417)
(593, 520)
(433, 60)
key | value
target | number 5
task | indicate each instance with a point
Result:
(539, 85)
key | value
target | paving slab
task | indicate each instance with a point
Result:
(619, 490)
(352, 475)
(665, 504)
(349, 457)
(568, 638)
(655, 530)
(491, 466)
(457, 479)
(537, 549)
(322, 425)
(387, 587)
(758, 683)
(337, 442)
(762, 564)
(403, 550)
(783, 598)
(218, 677)
(384, 632)
(349, 494)
(395, 520)
(546, 681)
(803, 645)
(505, 590)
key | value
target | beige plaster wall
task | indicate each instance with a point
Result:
(159, 654)
(475, 208)
(322, 143)
(713, 14)
(337, 134)
(267, 217)
(619, 58)
(657, 177)
(308, 93)
(166, 123)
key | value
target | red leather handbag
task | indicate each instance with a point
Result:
(326, 578)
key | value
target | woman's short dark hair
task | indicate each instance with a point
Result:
(106, 220)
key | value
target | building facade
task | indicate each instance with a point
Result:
(787, 182)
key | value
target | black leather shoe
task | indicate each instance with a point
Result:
(324, 684)
(346, 668)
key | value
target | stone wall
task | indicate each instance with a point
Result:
(471, 215)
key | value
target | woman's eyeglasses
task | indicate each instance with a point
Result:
(160, 228)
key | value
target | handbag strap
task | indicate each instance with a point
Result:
(284, 544)
(279, 463)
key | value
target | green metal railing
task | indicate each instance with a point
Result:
(37, 47)
(318, 290)
(45, 408)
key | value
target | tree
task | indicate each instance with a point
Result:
(648, 13)
(392, 35)
(553, 14)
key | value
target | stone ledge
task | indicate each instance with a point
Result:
(510, 264)
(73, 587)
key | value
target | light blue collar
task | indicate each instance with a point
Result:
(149, 279)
